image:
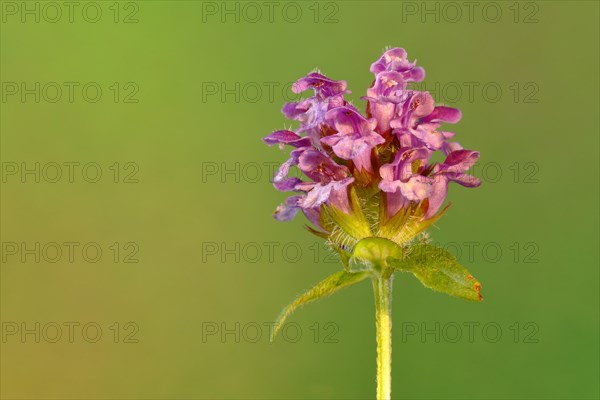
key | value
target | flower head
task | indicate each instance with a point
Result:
(363, 172)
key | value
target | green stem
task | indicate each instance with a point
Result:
(382, 287)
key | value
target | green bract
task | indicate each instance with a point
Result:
(372, 257)
(437, 269)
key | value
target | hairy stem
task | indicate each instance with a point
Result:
(382, 287)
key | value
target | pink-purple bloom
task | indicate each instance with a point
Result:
(355, 136)
(387, 150)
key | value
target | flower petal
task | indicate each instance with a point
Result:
(396, 60)
(322, 85)
(444, 114)
(284, 137)
(288, 209)
(417, 187)
(460, 160)
(437, 196)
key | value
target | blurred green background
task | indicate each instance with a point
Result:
(189, 199)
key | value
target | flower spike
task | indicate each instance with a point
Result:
(370, 189)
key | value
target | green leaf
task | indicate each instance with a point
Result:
(326, 287)
(438, 269)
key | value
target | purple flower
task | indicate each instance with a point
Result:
(418, 116)
(282, 138)
(335, 192)
(322, 85)
(287, 210)
(449, 147)
(404, 174)
(336, 148)
(388, 86)
(355, 136)
(415, 106)
(329, 180)
(320, 168)
(388, 90)
(452, 170)
(396, 60)
(392, 72)
(311, 112)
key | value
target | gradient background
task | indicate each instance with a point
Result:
(177, 130)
